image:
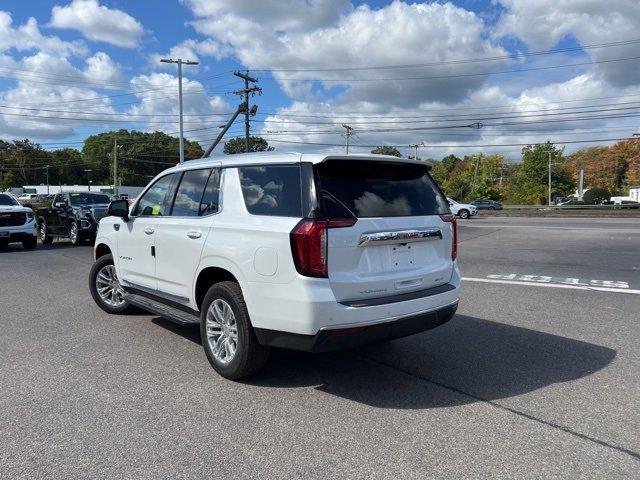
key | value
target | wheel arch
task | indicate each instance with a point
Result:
(209, 276)
(100, 250)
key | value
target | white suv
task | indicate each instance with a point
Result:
(463, 210)
(17, 223)
(302, 251)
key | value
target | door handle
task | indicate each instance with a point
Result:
(194, 235)
(149, 230)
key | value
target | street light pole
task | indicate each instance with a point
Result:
(180, 62)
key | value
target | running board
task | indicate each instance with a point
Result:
(165, 311)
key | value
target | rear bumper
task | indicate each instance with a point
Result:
(343, 338)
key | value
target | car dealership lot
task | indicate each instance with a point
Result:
(537, 375)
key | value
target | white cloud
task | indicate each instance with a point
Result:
(157, 95)
(100, 67)
(28, 37)
(280, 15)
(98, 23)
(191, 49)
(398, 34)
(541, 24)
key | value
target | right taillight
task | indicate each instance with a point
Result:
(454, 226)
(309, 245)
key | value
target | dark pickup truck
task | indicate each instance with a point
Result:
(74, 215)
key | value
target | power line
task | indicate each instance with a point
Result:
(461, 61)
(462, 75)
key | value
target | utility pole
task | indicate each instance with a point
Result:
(549, 177)
(47, 168)
(180, 62)
(88, 170)
(475, 173)
(348, 134)
(115, 167)
(247, 111)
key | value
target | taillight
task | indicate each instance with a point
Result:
(454, 225)
(309, 245)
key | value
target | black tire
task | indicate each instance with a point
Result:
(74, 234)
(30, 244)
(103, 261)
(43, 233)
(249, 356)
(4, 243)
(492, 208)
(463, 213)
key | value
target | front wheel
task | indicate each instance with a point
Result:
(228, 338)
(105, 287)
(463, 213)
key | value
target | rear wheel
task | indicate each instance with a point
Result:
(4, 243)
(492, 208)
(228, 338)
(30, 244)
(105, 287)
(43, 233)
(463, 213)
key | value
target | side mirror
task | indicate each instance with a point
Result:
(119, 208)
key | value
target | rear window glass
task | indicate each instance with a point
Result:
(377, 189)
(272, 190)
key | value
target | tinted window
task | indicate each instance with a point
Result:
(272, 190)
(83, 198)
(152, 202)
(189, 193)
(211, 198)
(7, 200)
(378, 189)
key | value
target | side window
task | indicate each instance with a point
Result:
(272, 190)
(210, 202)
(189, 193)
(154, 201)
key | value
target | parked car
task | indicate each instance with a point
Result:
(17, 223)
(308, 252)
(462, 210)
(487, 205)
(74, 215)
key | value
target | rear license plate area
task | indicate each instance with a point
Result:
(402, 256)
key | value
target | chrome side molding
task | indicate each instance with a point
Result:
(399, 236)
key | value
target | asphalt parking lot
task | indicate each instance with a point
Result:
(538, 375)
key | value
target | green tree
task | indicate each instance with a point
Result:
(386, 150)
(450, 162)
(141, 155)
(238, 145)
(530, 185)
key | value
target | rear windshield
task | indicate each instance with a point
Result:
(367, 189)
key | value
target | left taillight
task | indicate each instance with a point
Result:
(309, 245)
(450, 218)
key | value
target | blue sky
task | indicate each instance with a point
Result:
(69, 67)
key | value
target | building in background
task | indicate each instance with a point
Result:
(123, 190)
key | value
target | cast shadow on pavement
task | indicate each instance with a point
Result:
(484, 359)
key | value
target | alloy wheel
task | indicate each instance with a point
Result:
(222, 331)
(108, 286)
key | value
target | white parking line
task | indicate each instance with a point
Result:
(552, 285)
